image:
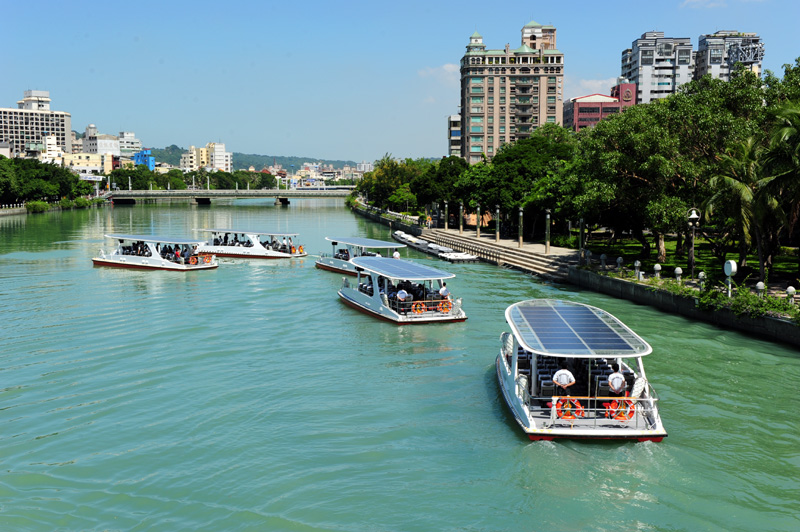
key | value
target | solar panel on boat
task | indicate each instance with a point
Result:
(364, 242)
(562, 327)
(400, 269)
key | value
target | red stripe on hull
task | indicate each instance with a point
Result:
(238, 256)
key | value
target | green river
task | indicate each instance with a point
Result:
(250, 398)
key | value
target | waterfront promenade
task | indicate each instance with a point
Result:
(531, 257)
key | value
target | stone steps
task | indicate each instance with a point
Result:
(551, 267)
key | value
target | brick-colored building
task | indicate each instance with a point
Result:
(587, 111)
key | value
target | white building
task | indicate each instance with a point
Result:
(212, 157)
(718, 52)
(658, 65)
(25, 127)
(129, 144)
(454, 135)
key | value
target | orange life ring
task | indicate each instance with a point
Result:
(418, 307)
(568, 408)
(207, 259)
(620, 410)
(445, 306)
(193, 260)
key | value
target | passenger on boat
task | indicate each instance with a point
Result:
(444, 292)
(616, 382)
(402, 304)
(563, 378)
(396, 254)
(225, 240)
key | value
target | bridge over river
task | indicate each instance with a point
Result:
(204, 196)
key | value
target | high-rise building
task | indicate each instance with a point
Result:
(26, 127)
(717, 53)
(506, 94)
(454, 135)
(658, 65)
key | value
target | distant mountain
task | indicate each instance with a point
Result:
(243, 161)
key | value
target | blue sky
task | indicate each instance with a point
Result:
(335, 80)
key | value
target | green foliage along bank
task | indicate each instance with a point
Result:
(731, 150)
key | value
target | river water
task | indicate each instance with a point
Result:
(250, 398)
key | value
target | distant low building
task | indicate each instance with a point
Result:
(587, 111)
(212, 157)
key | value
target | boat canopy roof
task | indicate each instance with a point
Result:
(400, 269)
(155, 239)
(364, 242)
(573, 330)
(246, 232)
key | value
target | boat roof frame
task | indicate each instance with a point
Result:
(412, 271)
(245, 232)
(617, 332)
(155, 239)
(360, 242)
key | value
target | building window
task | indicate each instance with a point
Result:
(476, 129)
(475, 149)
(491, 100)
(477, 80)
(477, 99)
(476, 119)
(550, 99)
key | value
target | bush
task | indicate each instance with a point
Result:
(81, 203)
(66, 203)
(37, 206)
(99, 201)
(565, 241)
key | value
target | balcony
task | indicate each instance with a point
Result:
(524, 110)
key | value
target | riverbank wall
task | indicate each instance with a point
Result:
(13, 212)
(777, 329)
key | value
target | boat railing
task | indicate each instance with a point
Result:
(584, 411)
(424, 307)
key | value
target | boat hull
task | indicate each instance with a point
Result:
(148, 263)
(536, 430)
(336, 265)
(372, 306)
(246, 252)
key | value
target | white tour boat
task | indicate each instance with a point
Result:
(251, 244)
(340, 260)
(401, 291)
(155, 253)
(547, 335)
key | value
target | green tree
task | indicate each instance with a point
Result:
(10, 190)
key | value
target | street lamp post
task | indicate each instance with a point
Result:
(497, 223)
(547, 232)
(478, 219)
(446, 216)
(461, 218)
(694, 221)
(520, 227)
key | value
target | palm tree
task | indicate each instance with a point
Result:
(743, 184)
(785, 156)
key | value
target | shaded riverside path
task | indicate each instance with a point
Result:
(250, 398)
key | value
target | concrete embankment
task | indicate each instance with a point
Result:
(13, 211)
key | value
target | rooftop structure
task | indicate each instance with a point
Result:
(717, 54)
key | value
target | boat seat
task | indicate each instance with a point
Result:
(547, 388)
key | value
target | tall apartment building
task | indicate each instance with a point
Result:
(454, 135)
(658, 65)
(26, 127)
(506, 94)
(212, 157)
(717, 53)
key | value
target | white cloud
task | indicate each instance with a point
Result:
(584, 87)
(447, 74)
(707, 4)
